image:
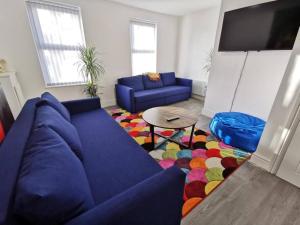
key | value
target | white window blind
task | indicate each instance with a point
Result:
(143, 47)
(58, 34)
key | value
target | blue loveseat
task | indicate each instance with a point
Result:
(138, 93)
(61, 164)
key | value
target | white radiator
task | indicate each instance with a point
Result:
(199, 87)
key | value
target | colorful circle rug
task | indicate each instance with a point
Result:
(207, 164)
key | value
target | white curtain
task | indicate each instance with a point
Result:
(143, 47)
(58, 34)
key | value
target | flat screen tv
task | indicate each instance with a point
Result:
(268, 26)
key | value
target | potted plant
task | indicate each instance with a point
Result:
(208, 61)
(90, 66)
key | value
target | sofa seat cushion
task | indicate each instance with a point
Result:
(168, 79)
(149, 95)
(52, 187)
(47, 116)
(53, 102)
(151, 84)
(135, 82)
(113, 161)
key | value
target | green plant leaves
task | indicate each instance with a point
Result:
(91, 67)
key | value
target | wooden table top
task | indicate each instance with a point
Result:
(158, 117)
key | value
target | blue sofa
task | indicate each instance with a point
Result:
(61, 164)
(138, 93)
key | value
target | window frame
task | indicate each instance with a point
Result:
(132, 50)
(43, 46)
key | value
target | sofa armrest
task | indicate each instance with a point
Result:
(82, 105)
(155, 201)
(184, 82)
(124, 96)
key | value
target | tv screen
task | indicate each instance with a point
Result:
(268, 26)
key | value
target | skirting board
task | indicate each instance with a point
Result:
(199, 97)
(261, 161)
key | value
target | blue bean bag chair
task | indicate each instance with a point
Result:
(237, 129)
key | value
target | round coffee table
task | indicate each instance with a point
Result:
(158, 117)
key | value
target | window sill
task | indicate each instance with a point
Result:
(64, 85)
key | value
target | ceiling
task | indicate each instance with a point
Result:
(171, 7)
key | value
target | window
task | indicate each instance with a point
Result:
(58, 34)
(143, 47)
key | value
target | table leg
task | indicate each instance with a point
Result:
(191, 137)
(152, 136)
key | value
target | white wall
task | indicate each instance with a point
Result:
(281, 122)
(260, 80)
(197, 37)
(262, 75)
(106, 26)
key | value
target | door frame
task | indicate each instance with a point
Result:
(276, 162)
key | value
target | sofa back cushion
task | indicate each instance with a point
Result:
(135, 82)
(48, 116)
(53, 102)
(52, 187)
(152, 84)
(11, 156)
(168, 79)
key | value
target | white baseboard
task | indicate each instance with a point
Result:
(261, 161)
(199, 97)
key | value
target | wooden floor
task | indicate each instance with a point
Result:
(250, 196)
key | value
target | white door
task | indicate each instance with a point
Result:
(289, 169)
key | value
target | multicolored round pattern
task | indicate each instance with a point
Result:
(166, 163)
(214, 174)
(197, 174)
(157, 154)
(185, 153)
(198, 163)
(228, 171)
(199, 153)
(185, 139)
(211, 138)
(229, 162)
(212, 144)
(206, 164)
(189, 205)
(223, 145)
(200, 138)
(172, 146)
(214, 162)
(227, 153)
(212, 152)
(183, 163)
(194, 189)
(170, 154)
(210, 186)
